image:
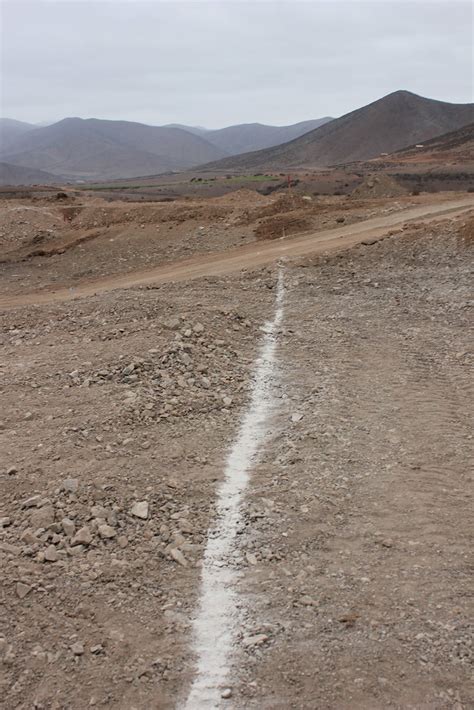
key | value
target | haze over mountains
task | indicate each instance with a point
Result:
(94, 149)
(246, 137)
(11, 130)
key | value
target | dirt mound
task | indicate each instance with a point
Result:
(284, 202)
(106, 215)
(378, 186)
(240, 197)
(24, 224)
(281, 226)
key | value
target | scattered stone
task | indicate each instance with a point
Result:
(68, 527)
(251, 559)
(71, 485)
(106, 531)
(227, 401)
(140, 510)
(12, 470)
(32, 502)
(42, 517)
(77, 648)
(122, 541)
(82, 537)
(98, 511)
(226, 693)
(185, 525)
(308, 601)
(296, 417)
(198, 328)
(22, 590)
(76, 550)
(28, 537)
(178, 557)
(5, 522)
(51, 554)
(255, 640)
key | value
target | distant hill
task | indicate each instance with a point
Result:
(10, 130)
(245, 137)
(456, 146)
(389, 124)
(100, 150)
(17, 175)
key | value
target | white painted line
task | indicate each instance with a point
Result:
(218, 618)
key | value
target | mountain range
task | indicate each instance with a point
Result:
(94, 149)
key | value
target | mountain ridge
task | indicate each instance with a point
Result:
(385, 125)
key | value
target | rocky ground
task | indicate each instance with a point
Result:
(359, 513)
(118, 412)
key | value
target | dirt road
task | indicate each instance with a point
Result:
(247, 257)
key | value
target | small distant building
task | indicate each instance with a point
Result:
(419, 145)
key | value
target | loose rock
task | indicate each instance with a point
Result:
(106, 531)
(82, 537)
(77, 648)
(140, 510)
(51, 554)
(22, 590)
(71, 485)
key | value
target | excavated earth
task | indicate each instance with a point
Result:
(118, 412)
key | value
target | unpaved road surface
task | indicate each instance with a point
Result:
(351, 560)
(246, 257)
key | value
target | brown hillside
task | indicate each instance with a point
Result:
(389, 124)
(455, 145)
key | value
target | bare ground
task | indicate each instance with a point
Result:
(354, 545)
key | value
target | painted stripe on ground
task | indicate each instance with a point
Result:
(218, 619)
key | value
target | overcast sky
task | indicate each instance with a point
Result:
(221, 62)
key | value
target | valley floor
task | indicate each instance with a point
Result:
(351, 559)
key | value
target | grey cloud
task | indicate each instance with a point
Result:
(216, 63)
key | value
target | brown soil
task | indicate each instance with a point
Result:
(280, 227)
(355, 540)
